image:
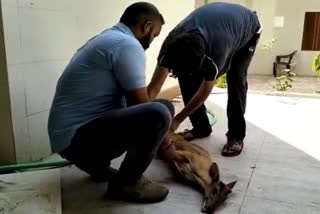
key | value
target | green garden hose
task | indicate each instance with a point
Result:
(57, 164)
(33, 165)
(212, 118)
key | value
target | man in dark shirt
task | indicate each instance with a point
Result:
(215, 39)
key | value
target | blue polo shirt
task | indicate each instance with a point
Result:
(225, 27)
(94, 82)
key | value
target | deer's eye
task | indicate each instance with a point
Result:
(215, 191)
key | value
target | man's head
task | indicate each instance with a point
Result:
(144, 20)
(185, 54)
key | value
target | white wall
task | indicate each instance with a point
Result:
(7, 150)
(241, 2)
(40, 38)
(263, 60)
(290, 37)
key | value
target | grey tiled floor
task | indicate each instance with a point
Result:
(278, 171)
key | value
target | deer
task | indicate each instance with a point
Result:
(194, 165)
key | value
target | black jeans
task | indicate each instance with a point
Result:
(237, 94)
(189, 85)
(237, 89)
(137, 130)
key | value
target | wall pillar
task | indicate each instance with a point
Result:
(7, 151)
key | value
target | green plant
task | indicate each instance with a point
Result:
(316, 64)
(284, 82)
(268, 45)
(222, 81)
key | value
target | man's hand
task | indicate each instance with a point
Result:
(167, 154)
(197, 100)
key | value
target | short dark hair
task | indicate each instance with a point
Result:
(140, 11)
(185, 53)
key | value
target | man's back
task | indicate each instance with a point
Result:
(225, 28)
(221, 21)
(91, 84)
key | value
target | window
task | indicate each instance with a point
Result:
(311, 32)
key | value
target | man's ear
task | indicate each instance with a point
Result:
(214, 172)
(147, 27)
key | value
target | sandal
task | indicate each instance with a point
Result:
(232, 149)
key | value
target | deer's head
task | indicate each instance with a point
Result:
(217, 191)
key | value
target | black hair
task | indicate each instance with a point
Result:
(140, 11)
(184, 54)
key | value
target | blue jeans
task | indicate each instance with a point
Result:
(137, 130)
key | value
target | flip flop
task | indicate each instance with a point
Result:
(232, 150)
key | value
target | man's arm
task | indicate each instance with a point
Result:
(159, 76)
(136, 96)
(130, 73)
(198, 99)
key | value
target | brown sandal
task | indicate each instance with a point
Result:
(232, 149)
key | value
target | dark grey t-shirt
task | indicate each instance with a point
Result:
(225, 28)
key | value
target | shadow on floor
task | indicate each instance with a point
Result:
(273, 175)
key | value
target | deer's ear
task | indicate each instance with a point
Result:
(232, 184)
(214, 172)
(226, 189)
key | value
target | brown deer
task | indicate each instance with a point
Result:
(193, 164)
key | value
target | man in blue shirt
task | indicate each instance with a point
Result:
(101, 110)
(214, 39)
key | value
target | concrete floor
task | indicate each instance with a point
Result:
(278, 171)
(31, 192)
(303, 86)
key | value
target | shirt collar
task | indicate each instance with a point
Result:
(123, 28)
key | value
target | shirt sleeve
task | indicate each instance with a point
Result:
(129, 67)
(216, 61)
(210, 69)
(163, 60)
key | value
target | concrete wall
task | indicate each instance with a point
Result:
(40, 38)
(290, 37)
(262, 61)
(7, 151)
(241, 2)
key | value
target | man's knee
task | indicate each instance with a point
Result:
(159, 115)
(168, 104)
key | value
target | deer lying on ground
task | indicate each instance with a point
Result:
(194, 164)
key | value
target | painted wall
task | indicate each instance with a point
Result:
(40, 38)
(7, 151)
(241, 2)
(290, 37)
(262, 61)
